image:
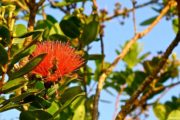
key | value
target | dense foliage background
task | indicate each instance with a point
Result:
(143, 76)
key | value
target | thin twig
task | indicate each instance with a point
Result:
(24, 7)
(125, 51)
(121, 12)
(95, 5)
(134, 16)
(55, 5)
(128, 106)
(167, 89)
(117, 101)
(40, 3)
(102, 45)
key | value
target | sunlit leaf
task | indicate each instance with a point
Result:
(28, 67)
(21, 54)
(19, 29)
(175, 24)
(79, 112)
(160, 111)
(67, 103)
(12, 85)
(174, 115)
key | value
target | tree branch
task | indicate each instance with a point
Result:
(123, 53)
(134, 16)
(128, 106)
(122, 12)
(144, 98)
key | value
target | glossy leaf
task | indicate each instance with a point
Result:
(51, 18)
(28, 67)
(29, 34)
(174, 115)
(35, 115)
(160, 111)
(67, 103)
(19, 29)
(21, 54)
(175, 24)
(70, 25)
(148, 21)
(39, 102)
(5, 35)
(13, 102)
(53, 108)
(58, 37)
(3, 55)
(70, 92)
(24, 95)
(90, 30)
(79, 112)
(55, 29)
(132, 58)
(9, 106)
(12, 85)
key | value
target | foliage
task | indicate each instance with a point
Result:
(68, 97)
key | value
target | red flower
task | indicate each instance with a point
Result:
(60, 60)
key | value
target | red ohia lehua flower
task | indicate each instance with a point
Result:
(60, 60)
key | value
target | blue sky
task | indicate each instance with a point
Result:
(115, 35)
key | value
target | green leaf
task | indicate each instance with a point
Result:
(19, 29)
(24, 95)
(40, 102)
(70, 25)
(131, 58)
(174, 115)
(39, 85)
(95, 57)
(70, 93)
(29, 34)
(28, 67)
(53, 108)
(21, 54)
(15, 84)
(35, 115)
(5, 35)
(3, 55)
(160, 111)
(175, 24)
(66, 3)
(9, 106)
(79, 112)
(149, 65)
(58, 37)
(13, 102)
(55, 29)
(67, 103)
(90, 30)
(51, 18)
(148, 21)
